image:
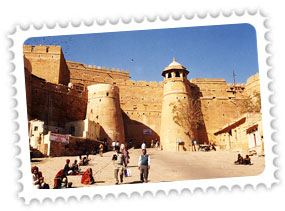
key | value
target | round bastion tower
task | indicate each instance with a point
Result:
(104, 107)
(176, 88)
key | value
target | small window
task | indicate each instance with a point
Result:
(107, 94)
(33, 48)
(99, 100)
(36, 128)
(177, 75)
(47, 49)
(169, 75)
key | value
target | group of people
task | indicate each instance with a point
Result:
(154, 143)
(243, 161)
(121, 158)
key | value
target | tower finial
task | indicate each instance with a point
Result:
(174, 59)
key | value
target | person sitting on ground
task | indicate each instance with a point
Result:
(85, 161)
(239, 160)
(38, 180)
(75, 168)
(87, 177)
(67, 169)
(246, 160)
(61, 181)
(80, 163)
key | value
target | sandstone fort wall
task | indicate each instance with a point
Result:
(51, 100)
(55, 104)
(46, 62)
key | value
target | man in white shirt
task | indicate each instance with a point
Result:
(113, 145)
(143, 145)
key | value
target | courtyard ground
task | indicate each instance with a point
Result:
(165, 166)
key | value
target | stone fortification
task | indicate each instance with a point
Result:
(219, 101)
(55, 104)
(253, 84)
(104, 107)
(141, 104)
(137, 111)
(176, 87)
(46, 62)
(89, 75)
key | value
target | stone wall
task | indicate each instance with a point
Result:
(89, 75)
(104, 108)
(55, 104)
(141, 104)
(76, 146)
(46, 62)
(219, 101)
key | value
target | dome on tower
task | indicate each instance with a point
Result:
(174, 65)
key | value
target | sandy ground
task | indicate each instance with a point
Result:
(165, 166)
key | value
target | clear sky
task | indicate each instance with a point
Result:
(207, 52)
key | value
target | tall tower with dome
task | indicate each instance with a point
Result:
(176, 88)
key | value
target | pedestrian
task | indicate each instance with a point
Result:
(193, 145)
(144, 166)
(119, 165)
(113, 145)
(101, 150)
(143, 145)
(156, 144)
(117, 144)
(125, 153)
(151, 145)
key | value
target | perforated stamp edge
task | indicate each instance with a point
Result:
(257, 19)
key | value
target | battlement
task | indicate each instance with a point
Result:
(81, 66)
(58, 88)
(153, 84)
(242, 85)
(42, 49)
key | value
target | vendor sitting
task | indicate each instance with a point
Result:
(239, 160)
(246, 160)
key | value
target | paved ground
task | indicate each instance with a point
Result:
(165, 166)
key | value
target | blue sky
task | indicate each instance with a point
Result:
(207, 52)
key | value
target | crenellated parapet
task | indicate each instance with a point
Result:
(81, 66)
(42, 49)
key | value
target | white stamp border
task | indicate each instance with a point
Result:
(29, 193)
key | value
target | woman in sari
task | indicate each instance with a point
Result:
(60, 180)
(87, 177)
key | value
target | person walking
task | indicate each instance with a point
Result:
(193, 145)
(143, 146)
(113, 145)
(119, 165)
(101, 150)
(125, 153)
(144, 166)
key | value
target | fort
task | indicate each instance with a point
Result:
(62, 94)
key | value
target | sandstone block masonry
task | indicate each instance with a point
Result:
(60, 91)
